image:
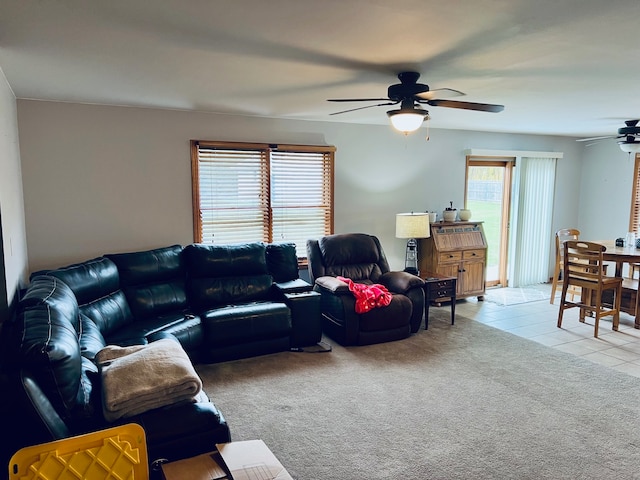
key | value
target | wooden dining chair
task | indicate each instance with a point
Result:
(584, 268)
(562, 236)
(633, 268)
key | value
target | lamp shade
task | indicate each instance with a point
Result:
(630, 147)
(407, 120)
(412, 225)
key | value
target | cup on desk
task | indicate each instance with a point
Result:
(630, 240)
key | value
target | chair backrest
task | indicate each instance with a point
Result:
(562, 236)
(583, 262)
(357, 256)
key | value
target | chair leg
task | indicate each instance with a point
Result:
(560, 316)
(586, 297)
(617, 301)
(563, 296)
(598, 312)
(554, 284)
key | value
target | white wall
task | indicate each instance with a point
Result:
(11, 204)
(113, 179)
(606, 187)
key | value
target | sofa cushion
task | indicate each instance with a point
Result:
(224, 274)
(282, 261)
(245, 259)
(96, 285)
(186, 328)
(51, 292)
(152, 300)
(90, 338)
(89, 280)
(109, 313)
(150, 266)
(153, 281)
(243, 323)
(211, 292)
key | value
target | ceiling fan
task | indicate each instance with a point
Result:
(628, 137)
(411, 95)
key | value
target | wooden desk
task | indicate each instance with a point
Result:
(438, 287)
(620, 255)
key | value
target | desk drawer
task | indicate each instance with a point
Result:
(448, 257)
(470, 254)
(442, 293)
(441, 289)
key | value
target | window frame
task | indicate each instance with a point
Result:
(266, 149)
(634, 211)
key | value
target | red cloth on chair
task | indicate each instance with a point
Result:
(368, 296)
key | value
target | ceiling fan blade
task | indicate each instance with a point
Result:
(362, 108)
(482, 107)
(594, 138)
(439, 93)
(356, 99)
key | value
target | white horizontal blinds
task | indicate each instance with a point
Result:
(301, 196)
(634, 221)
(233, 194)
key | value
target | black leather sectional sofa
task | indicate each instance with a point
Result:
(220, 303)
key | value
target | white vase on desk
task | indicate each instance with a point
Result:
(465, 214)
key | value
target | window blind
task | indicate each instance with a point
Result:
(300, 196)
(257, 192)
(233, 195)
(634, 220)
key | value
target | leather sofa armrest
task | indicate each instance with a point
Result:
(39, 405)
(333, 285)
(400, 282)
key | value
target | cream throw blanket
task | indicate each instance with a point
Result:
(143, 377)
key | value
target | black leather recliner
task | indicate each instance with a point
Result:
(360, 258)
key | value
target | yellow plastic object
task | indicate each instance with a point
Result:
(116, 453)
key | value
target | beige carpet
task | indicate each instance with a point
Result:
(454, 402)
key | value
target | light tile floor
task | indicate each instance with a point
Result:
(537, 321)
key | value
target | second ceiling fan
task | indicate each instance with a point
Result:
(411, 95)
(628, 137)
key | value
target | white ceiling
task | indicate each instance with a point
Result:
(565, 67)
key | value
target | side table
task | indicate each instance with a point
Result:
(437, 286)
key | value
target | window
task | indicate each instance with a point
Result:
(634, 220)
(244, 192)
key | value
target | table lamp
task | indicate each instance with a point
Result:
(412, 226)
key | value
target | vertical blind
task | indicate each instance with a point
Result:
(258, 192)
(531, 221)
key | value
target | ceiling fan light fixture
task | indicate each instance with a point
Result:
(630, 147)
(407, 120)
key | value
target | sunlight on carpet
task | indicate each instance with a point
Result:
(516, 295)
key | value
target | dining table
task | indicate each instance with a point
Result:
(619, 256)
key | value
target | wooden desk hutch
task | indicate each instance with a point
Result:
(457, 249)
